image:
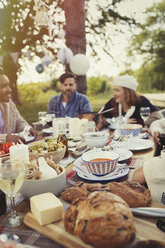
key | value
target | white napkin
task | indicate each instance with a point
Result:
(47, 171)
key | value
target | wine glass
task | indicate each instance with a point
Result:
(144, 113)
(49, 119)
(11, 180)
(42, 117)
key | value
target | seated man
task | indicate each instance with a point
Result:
(10, 119)
(153, 173)
(69, 102)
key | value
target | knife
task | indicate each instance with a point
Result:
(147, 211)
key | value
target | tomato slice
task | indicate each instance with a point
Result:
(2, 152)
(5, 147)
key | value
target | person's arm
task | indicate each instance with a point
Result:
(107, 106)
(20, 122)
(138, 176)
(15, 138)
(146, 103)
(86, 105)
(158, 126)
(21, 125)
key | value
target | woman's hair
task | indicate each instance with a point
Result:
(131, 96)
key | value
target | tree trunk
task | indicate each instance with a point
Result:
(75, 33)
(10, 69)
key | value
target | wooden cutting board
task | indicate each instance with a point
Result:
(145, 230)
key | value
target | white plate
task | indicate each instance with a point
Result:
(121, 171)
(139, 144)
(71, 144)
(48, 130)
(123, 153)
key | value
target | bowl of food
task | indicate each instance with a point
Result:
(38, 180)
(96, 139)
(101, 162)
(128, 129)
(47, 148)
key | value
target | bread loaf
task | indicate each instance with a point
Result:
(133, 193)
(101, 219)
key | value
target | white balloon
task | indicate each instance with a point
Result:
(46, 60)
(65, 55)
(79, 64)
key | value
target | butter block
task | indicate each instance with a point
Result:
(46, 208)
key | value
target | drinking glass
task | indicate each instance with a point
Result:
(145, 113)
(49, 119)
(11, 180)
(42, 117)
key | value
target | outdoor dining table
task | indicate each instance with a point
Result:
(146, 227)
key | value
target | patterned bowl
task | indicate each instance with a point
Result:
(133, 129)
(101, 162)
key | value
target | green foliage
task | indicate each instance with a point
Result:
(34, 98)
(34, 92)
(150, 42)
(150, 78)
(97, 85)
(97, 101)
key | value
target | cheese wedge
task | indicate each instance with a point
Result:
(46, 208)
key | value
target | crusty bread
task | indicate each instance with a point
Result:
(101, 219)
(80, 189)
(133, 193)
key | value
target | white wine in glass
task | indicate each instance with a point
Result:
(144, 113)
(11, 180)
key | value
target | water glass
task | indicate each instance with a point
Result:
(89, 127)
(42, 117)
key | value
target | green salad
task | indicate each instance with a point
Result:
(48, 145)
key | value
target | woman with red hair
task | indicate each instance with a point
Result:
(126, 102)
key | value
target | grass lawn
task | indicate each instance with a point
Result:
(30, 110)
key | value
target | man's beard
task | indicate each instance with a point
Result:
(68, 93)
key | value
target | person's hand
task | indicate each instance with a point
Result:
(33, 132)
(131, 120)
(15, 138)
(156, 138)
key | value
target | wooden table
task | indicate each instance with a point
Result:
(146, 228)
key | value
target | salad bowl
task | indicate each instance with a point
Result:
(47, 148)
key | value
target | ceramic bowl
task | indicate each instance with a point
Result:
(100, 168)
(96, 139)
(54, 185)
(133, 129)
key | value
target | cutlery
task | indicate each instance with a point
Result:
(147, 211)
(102, 112)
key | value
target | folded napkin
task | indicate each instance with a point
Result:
(46, 170)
